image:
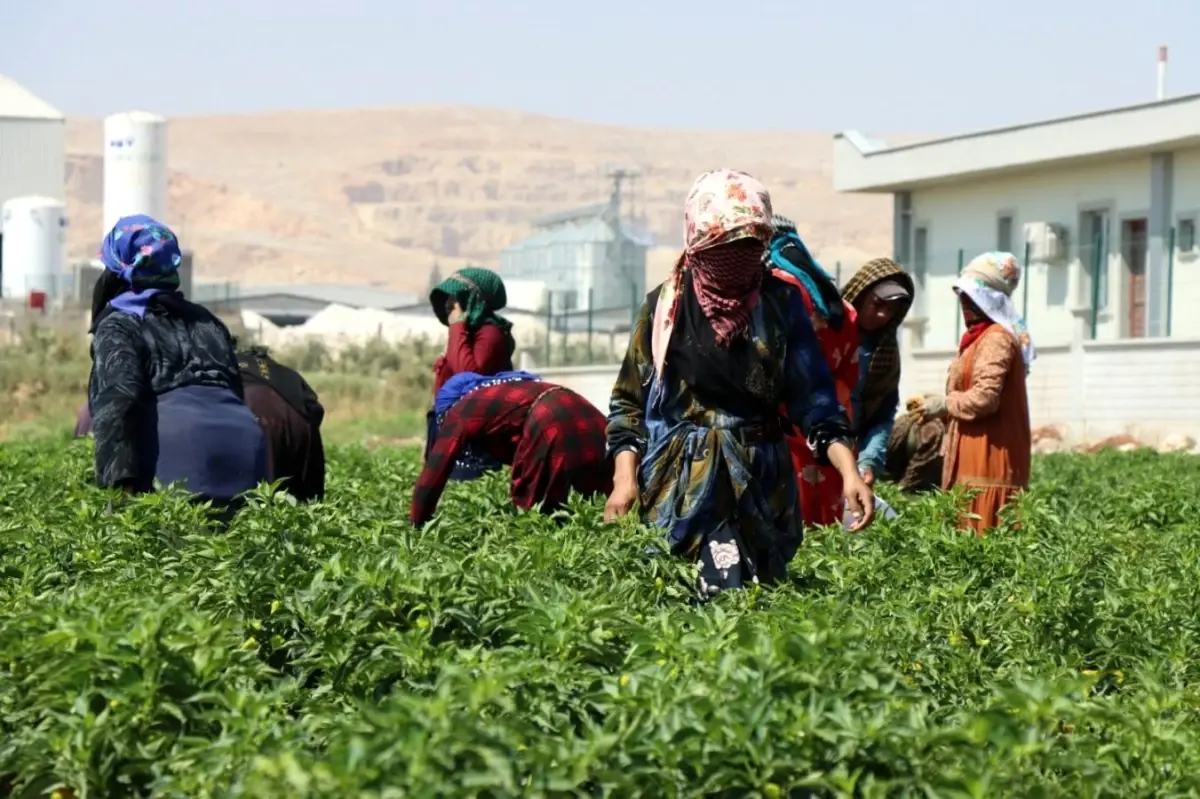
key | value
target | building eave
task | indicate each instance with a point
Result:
(865, 166)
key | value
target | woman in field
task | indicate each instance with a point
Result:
(881, 293)
(914, 453)
(988, 437)
(290, 415)
(833, 322)
(164, 391)
(695, 427)
(552, 437)
(479, 341)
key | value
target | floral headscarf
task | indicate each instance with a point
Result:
(990, 280)
(723, 206)
(145, 255)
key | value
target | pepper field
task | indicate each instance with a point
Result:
(333, 650)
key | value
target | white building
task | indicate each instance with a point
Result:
(1104, 207)
(32, 146)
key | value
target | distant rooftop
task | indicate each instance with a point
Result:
(334, 294)
(572, 214)
(594, 230)
(17, 102)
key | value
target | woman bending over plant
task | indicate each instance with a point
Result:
(695, 426)
(290, 415)
(988, 437)
(164, 391)
(552, 437)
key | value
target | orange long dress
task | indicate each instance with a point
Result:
(821, 486)
(988, 437)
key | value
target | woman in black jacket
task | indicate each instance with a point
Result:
(165, 394)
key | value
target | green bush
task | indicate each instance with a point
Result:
(333, 650)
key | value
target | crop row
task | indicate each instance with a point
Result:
(333, 650)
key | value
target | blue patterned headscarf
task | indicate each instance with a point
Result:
(146, 255)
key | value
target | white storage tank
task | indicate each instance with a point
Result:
(135, 167)
(33, 250)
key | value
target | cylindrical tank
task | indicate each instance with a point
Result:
(135, 167)
(33, 250)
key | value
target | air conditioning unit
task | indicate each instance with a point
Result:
(1047, 242)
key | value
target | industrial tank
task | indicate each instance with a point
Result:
(33, 250)
(135, 167)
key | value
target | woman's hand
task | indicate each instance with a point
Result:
(625, 487)
(860, 500)
(620, 501)
(856, 492)
(456, 313)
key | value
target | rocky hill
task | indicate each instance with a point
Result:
(376, 196)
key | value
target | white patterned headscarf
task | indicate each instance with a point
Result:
(990, 280)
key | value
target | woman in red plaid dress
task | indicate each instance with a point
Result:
(553, 438)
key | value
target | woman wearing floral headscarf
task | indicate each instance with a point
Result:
(694, 425)
(988, 437)
(164, 391)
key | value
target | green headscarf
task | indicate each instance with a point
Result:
(478, 291)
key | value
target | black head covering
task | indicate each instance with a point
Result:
(108, 287)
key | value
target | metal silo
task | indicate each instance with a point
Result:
(135, 167)
(33, 249)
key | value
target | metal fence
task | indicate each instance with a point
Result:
(589, 335)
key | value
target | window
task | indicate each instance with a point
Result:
(903, 202)
(920, 259)
(920, 264)
(1093, 252)
(1004, 234)
(1185, 238)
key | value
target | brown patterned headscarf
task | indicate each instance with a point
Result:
(883, 374)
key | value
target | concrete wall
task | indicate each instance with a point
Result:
(1149, 388)
(1186, 285)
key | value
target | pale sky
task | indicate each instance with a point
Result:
(920, 66)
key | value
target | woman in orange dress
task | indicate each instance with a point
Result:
(833, 321)
(988, 436)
